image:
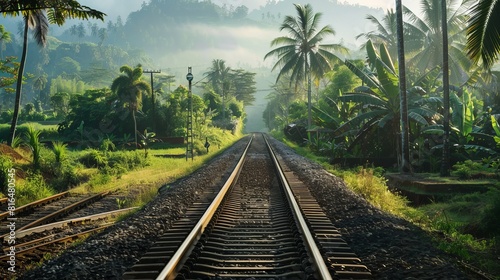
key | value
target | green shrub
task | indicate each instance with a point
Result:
(107, 145)
(467, 169)
(34, 188)
(67, 177)
(489, 216)
(5, 165)
(6, 116)
(93, 159)
(117, 169)
(99, 179)
(127, 159)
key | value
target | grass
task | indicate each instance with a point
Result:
(48, 132)
(142, 184)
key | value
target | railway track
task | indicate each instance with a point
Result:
(263, 223)
(45, 211)
(34, 243)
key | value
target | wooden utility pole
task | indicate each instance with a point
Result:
(153, 96)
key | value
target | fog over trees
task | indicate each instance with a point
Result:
(173, 34)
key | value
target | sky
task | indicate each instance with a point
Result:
(113, 8)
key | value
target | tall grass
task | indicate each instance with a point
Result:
(373, 187)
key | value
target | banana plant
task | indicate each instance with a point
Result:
(379, 104)
(496, 128)
(464, 133)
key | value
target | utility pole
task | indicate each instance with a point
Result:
(153, 96)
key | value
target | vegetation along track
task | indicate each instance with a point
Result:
(267, 226)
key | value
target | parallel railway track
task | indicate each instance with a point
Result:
(45, 211)
(40, 227)
(264, 223)
(32, 244)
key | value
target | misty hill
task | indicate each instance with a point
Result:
(177, 33)
(347, 20)
(174, 34)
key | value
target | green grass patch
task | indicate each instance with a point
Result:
(31, 189)
(47, 132)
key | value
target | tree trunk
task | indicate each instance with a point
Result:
(309, 118)
(445, 160)
(405, 151)
(19, 84)
(135, 128)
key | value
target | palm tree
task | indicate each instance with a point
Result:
(301, 53)
(4, 38)
(129, 88)
(220, 80)
(385, 32)
(445, 159)
(483, 31)
(405, 142)
(427, 36)
(37, 15)
(379, 102)
(387, 29)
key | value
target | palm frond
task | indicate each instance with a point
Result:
(483, 32)
(367, 79)
(417, 117)
(40, 25)
(325, 117)
(384, 120)
(363, 98)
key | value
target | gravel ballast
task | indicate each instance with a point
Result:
(392, 248)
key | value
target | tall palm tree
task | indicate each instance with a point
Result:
(403, 101)
(385, 31)
(428, 30)
(129, 88)
(301, 52)
(445, 159)
(220, 79)
(38, 15)
(379, 103)
(4, 38)
(483, 31)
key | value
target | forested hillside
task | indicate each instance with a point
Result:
(164, 34)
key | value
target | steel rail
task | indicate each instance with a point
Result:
(170, 270)
(314, 252)
(64, 210)
(34, 204)
(59, 240)
(59, 213)
(64, 223)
